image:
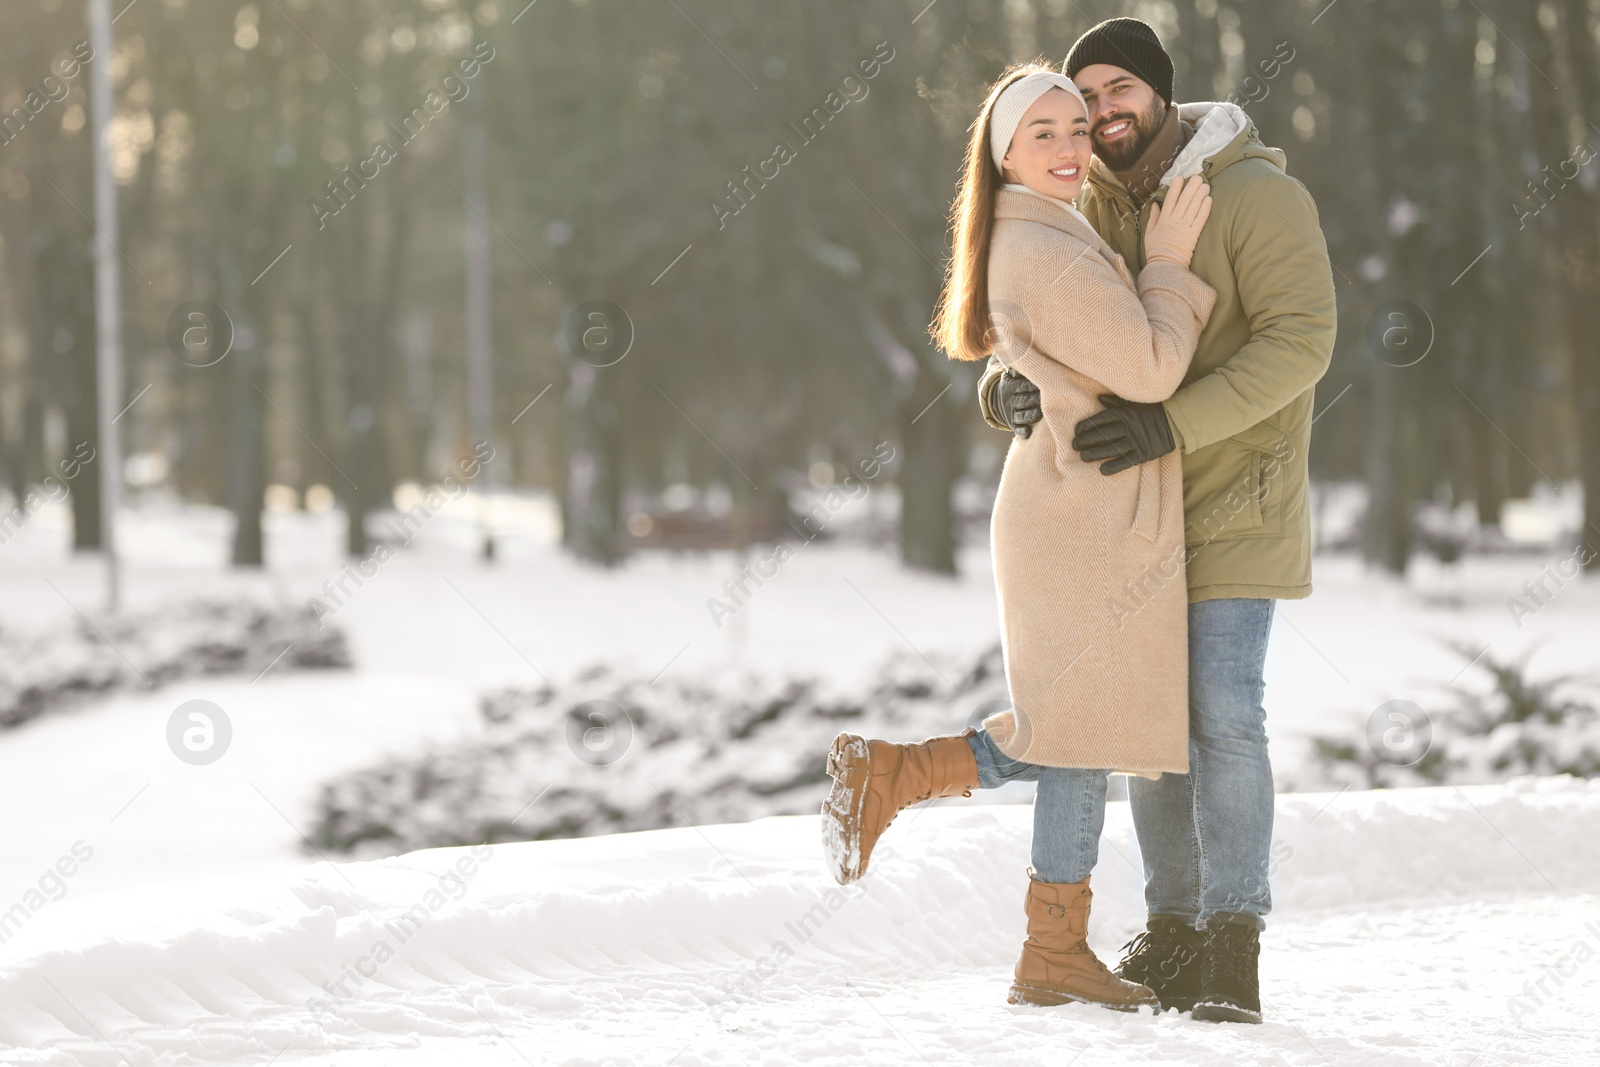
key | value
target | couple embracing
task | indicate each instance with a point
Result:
(1154, 294)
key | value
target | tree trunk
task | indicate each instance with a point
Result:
(1575, 215)
(245, 467)
(247, 482)
(63, 337)
(931, 434)
(361, 457)
(1578, 263)
(591, 525)
(1391, 469)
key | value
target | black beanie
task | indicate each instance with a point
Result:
(1126, 43)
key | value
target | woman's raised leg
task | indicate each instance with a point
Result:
(874, 780)
(995, 768)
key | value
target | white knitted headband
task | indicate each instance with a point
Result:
(1015, 100)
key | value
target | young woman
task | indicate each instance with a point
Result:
(1088, 567)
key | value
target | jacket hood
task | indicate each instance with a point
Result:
(1223, 135)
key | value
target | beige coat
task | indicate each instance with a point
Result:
(1089, 568)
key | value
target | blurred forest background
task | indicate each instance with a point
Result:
(576, 247)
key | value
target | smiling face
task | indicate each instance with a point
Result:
(1049, 153)
(1124, 113)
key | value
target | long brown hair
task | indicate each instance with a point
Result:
(961, 325)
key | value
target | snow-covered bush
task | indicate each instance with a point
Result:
(46, 671)
(611, 753)
(1512, 725)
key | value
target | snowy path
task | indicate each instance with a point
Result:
(104, 775)
(1421, 927)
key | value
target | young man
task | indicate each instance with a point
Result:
(1242, 421)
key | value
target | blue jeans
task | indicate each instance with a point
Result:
(1069, 809)
(1206, 836)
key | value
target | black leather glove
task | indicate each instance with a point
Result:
(1014, 400)
(1125, 434)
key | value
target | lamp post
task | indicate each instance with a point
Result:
(479, 304)
(107, 294)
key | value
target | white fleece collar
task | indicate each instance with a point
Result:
(1216, 125)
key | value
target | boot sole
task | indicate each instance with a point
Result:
(1049, 998)
(1224, 1013)
(849, 765)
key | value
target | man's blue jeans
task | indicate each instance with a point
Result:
(1206, 836)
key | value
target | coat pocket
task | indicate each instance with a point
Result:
(1232, 501)
(1272, 487)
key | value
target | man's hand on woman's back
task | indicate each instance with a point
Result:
(1014, 400)
(1124, 434)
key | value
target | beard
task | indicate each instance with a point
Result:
(1124, 152)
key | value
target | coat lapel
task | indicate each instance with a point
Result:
(1011, 204)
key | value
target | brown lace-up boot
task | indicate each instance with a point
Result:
(1057, 965)
(873, 781)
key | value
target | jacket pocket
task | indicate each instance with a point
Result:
(1230, 504)
(1271, 489)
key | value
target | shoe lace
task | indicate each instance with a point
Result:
(1231, 956)
(1156, 956)
(1140, 946)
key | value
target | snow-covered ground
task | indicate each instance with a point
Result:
(1414, 927)
(1405, 921)
(434, 628)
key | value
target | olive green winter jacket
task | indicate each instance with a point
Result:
(1242, 417)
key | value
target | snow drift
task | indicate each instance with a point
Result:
(1416, 927)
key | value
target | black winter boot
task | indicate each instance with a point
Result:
(1168, 958)
(1230, 988)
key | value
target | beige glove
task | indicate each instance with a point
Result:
(1172, 233)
